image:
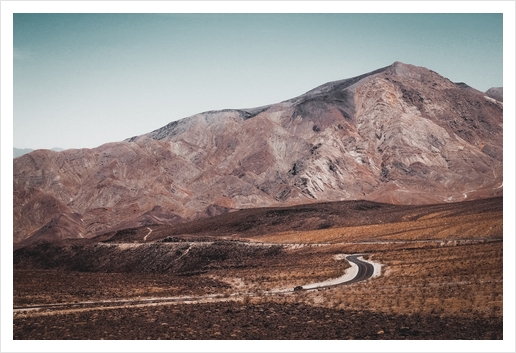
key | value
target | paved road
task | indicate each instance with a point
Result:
(365, 271)
(360, 270)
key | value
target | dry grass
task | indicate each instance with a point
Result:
(53, 286)
(443, 277)
(485, 225)
(460, 281)
(439, 277)
(297, 267)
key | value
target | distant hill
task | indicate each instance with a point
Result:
(18, 152)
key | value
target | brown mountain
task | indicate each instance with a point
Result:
(401, 134)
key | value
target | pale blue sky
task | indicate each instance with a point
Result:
(81, 80)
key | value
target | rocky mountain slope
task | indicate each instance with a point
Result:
(401, 134)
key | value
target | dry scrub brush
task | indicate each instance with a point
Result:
(297, 267)
(454, 281)
(485, 225)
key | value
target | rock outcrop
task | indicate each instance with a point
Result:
(401, 134)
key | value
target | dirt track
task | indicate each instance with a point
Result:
(361, 270)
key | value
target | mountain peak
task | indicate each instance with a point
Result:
(397, 68)
(399, 64)
(407, 70)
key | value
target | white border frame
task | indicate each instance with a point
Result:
(10, 7)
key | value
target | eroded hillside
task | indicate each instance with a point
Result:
(401, 134)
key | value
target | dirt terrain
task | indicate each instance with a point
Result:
(253, 321)
(262, 223)
(441, 277)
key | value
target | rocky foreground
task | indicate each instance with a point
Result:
(254, 321)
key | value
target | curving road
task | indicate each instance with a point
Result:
(365, 269)
(360, 270)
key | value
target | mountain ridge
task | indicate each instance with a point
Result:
(400, 134)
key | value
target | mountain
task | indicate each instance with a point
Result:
(18, 152)
(400, 134)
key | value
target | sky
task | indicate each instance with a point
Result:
(81, 80)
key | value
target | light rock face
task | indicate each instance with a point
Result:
(401, 134)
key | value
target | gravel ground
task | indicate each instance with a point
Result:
(236, 321)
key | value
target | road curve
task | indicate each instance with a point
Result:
(364, 270)
(360, 270)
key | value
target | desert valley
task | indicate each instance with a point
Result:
(367, 208)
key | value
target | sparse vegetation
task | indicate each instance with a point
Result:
(439, 270)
